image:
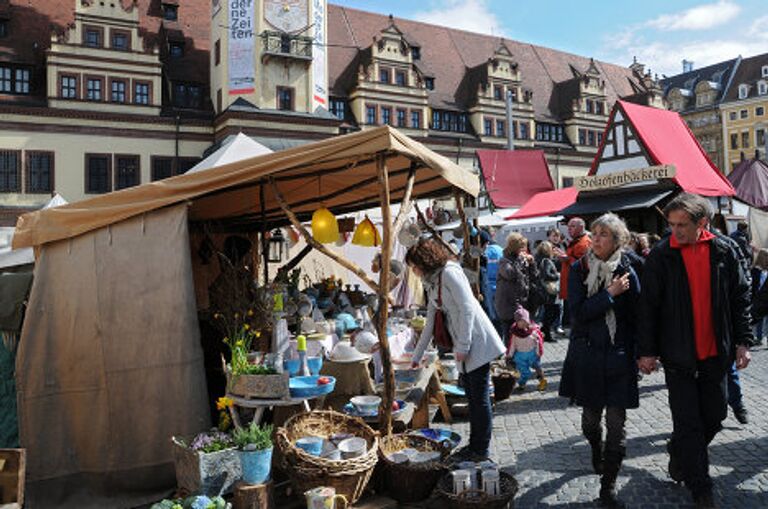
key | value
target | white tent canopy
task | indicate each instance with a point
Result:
(235, 148)
(14, 257)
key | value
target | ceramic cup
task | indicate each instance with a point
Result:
(325, 497)
(491, 482)
(462, 481)
(312, 445)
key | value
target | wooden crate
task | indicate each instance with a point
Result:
(13, 464)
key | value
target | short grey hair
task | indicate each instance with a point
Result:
(615, 225)
(697, 207)
(578, 222)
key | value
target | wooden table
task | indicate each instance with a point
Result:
(425, 390)
(260, 405)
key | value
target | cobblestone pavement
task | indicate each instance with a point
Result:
(537, 437)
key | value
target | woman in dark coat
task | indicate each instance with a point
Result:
(600, 372)
(548, 276)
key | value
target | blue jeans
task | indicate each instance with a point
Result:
(525, 362)
(734, 389)
(480, 413)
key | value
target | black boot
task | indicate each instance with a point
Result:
(611, 465)
(704, 500)
(597, 455)
(675, 470)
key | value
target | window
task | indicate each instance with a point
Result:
(734, 141)
(732, 115)
(599, 138)
(170, 12)
(500, 128)
(744, 114)
(591, 138)
(284, 98)
(92, 37)
(498, 93)
(93, 88)
(582, 136)
(401, 118)
(765, 71)
(6, 83)
(759, 111)
(760, 137)
(140, 92)
(400, 78)
(429, 83)
(567, 181)
(14, 80)
(600, 107)
(743, 91)
(488, 127)
(590, 106)
(68, 89)
(127, 171)
(184, 164)
(416, 119)
(762, 88)
(217, 52)
(449, 121)
(524, 131)
(3, 28)
(415, 53)
(176, 49)
(745, 139)
(39, 172)
(370, 115)
(162, 167)
(97, 178)
(338, 108)
(120, 40)
(187, 95)
(386, 116)
(384, 75)
(285, 43)
(10, 171)
(118, 91)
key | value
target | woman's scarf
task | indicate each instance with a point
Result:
(600, 277)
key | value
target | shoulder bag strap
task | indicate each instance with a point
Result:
(440, 289)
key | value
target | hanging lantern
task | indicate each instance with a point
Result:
(276, 246)
(325, 228)
(366, 234)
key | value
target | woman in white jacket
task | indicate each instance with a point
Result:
(475, 340)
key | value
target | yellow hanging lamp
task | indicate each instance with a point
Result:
(325, 228)
(366, 234)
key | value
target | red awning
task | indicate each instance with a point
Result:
(513, 176)
(547, 203)
(668, 140)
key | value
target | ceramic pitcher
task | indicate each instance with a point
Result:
(325, 497)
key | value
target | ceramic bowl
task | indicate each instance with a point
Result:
(366, 405)
(312, 445)
(353, 447)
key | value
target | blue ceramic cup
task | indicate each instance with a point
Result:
(292, 366)
(314, 364)
(312, 445)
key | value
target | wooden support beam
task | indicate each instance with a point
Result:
(294, 262)
(315, 244)
(405, 205)
(385, 413)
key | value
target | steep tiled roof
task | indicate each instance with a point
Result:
(749, 73)
(718, 73)
(450, 52)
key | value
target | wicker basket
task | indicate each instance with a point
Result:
(476, 499)
(258, 386)
(410, 482)
(349, 477)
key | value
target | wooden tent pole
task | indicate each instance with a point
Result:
(264, 244)
(385, 415)
(405, 205)
(315, 244)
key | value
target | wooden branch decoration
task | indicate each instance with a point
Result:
(283, 271)
(405, 205)
(315, 244)
(385, 413)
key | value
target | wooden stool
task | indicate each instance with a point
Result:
(253, 496)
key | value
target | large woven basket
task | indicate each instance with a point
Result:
(410, 482)
(476, 499)
(349, 477)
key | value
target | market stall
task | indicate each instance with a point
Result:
(114, 295)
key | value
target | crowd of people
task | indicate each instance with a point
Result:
(692, 301)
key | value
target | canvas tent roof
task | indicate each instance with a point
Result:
(14, 257)
(513, 176)
(339, 172)
(235, 148)
(750, 179)
(547, 203)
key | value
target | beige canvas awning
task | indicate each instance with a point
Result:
(339, 173)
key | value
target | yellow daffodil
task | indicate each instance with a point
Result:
(250, 312)
(246, 327)
(237, 315)
(240, 343)
(224, 402)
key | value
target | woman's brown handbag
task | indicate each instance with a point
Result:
(441, 334)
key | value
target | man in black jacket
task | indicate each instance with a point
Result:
(694, 309)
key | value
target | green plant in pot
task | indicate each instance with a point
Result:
(255, 448)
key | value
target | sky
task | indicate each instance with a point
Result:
(660, 33)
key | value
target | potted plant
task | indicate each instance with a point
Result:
(207, 463)
(195, 502)
(249, 375)
(255, 448)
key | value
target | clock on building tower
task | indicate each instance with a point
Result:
(286, 15)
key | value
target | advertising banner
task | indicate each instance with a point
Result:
(242, 38)
(319, 56)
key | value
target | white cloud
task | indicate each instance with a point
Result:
(701, 17)
(758, 28)
(470, 15)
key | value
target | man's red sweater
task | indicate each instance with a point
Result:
(697, 266)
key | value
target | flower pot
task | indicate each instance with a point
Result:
(258, 386)
(209, 473)
(256, 465)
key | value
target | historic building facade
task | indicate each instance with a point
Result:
(99, 95)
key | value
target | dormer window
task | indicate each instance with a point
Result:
(498, 93)
(400, 78)
(120, 40)
(3, 28)
(743, 91)
(170, 12)
(416, 53)
(765, 71)
(176, 49)
(384, 75)
(92, 37)
(762, 88)
(429, 83)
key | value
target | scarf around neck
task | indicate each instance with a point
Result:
(599, 278)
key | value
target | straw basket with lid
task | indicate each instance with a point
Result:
(410, 481)
(348, 476)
